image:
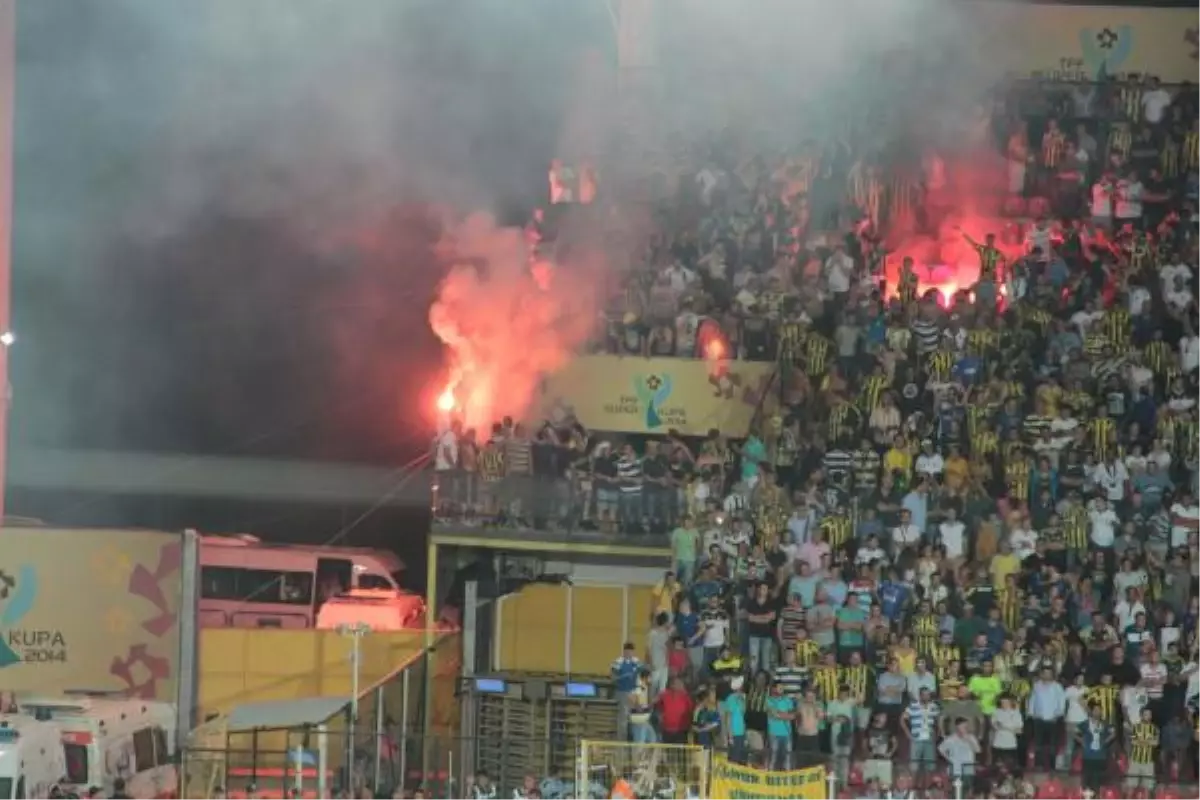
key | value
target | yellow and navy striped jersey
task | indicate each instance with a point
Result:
(1075, 527)
(1144, 743)
(826, 680)
(982, 342)
(1107, 698)
(872, 392)
(1102, 430)
(816, 355)
(1118, 329)
(1016, 475)
(790, 341)
(943, 656)
(989, 261)
(1160, 358)
(1191, 149)
(1009, 601)
(491, 463)
(857, 678)
(836, 529)
(940, 363)
(925, 631)
(843, 420)
(808, 653)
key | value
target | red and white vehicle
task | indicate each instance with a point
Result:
(110, 738)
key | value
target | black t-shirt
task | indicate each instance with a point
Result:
(763, 630)
(1054, 623)
(654, 467)
(982, 597)
(605, 467)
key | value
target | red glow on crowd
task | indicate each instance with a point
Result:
(446, 401)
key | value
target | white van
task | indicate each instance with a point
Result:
(106, 738)
(32, 761)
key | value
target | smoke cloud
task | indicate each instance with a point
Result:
(229, 205)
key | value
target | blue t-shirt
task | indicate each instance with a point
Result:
(703, 590)
(892, 597)
(687, 625)
(780, 728)
(836, 591)
(995, 635)
(735, 707)
(806, 587)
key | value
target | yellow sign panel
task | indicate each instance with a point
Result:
(653, 395)
(735, 781)
(90, 610)
(1083, 42)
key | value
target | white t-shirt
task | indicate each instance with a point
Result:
(839, 269)
(1006, 722)
(716, 631)
(446, 451)
(930, 464)
(1183, 523)
(1189, 348)
(1154, 103)
(866, 555)
(952, 538)
(1104, 527)
(1154, 677)
(1023, 542)
(1076, 713)
(1139, 296)
(1111, 477)
(905, 535)
(1129, 199)
(1127, 612)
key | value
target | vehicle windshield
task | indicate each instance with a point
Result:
(77, 763)
(373, 580)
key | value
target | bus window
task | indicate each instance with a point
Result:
(77, 763)
(334, 576)
(143, 750)
(256, 585)
(162, 752)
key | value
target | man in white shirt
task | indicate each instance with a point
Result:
(1104, 522)
(906, 534)
(952, 531)
(1185, 519)
(1155, 102)
(839, 269)
(1111, 476)
(1189, 349)
(929, 463)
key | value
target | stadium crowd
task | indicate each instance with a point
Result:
(961, 538)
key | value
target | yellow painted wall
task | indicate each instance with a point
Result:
(533, 627)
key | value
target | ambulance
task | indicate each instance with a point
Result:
(105, 738)
(31, 757)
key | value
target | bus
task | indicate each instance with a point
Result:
(32, 760)
(107, 738)
(248, 583)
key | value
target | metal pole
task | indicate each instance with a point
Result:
(431, 611)
(958, 787)
(356, 632)
(378, 739)
(8, 69)
(404, 727)
(831, 779)
(322, 760)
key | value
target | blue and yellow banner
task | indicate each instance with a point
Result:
(631, 394)
(735, 781)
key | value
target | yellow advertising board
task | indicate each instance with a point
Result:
(631, 394)
(1081, 42)
(735, 781)
(90, 610)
